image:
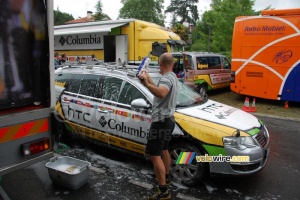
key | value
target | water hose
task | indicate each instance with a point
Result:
(61, 148)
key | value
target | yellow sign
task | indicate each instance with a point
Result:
(202, 66)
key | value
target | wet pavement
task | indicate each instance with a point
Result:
(117, 175)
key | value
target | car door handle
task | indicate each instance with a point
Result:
(102, 111)
(64, 101)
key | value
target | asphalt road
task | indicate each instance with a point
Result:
(115, 175)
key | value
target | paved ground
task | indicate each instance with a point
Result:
(264, 106)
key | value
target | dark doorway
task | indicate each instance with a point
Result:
(109, 48)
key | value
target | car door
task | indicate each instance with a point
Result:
(226, 70)
(87, 102)
(189, 71)
(78, 99)
(69, 99)
(108, 88)
(215, 69)
(128, 127)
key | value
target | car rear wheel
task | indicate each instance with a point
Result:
(187, 174)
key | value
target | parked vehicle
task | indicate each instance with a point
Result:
(265, 55)
(129, 40)
(109, 106)
(26, 84)
(202, 71)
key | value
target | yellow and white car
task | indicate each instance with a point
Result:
(110, 106)
(202, 71)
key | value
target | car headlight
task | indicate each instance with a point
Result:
(241, 142)
(266, 132)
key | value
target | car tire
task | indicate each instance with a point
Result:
(186, 174)
(202, 89)
(66, 135)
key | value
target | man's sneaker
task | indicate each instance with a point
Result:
(158, 195)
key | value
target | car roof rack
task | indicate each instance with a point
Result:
(130, 70)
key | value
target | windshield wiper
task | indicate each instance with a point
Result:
(187, 105)
(182, 106)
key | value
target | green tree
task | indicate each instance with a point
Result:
(61, 18)
(173, 20)
(202, 34)
(182, 31)
(216, 26)
(147, 10)
(185, 9)
(99, 15)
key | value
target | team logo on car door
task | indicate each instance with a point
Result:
(102, 121)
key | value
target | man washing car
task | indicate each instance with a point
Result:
(163, 123)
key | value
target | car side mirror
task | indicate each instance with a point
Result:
(139, 103)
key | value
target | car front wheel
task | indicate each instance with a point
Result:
(187, 174)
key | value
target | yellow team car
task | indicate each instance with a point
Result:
(110, 106)
(202, 71)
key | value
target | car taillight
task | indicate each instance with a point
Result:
(232, 78)
(36, 146)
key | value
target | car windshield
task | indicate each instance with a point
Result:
(186, 96)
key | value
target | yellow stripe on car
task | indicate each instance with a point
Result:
(107, 138)
(205, 131)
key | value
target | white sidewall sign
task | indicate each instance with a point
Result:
(79, 41)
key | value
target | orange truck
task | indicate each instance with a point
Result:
(266, 55)
(26, 84)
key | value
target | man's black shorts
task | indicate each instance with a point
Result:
(159, 136)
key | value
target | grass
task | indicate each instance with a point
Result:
(263, 106)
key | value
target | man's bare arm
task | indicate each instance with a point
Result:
(159, 92)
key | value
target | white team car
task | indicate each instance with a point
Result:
(111, 106)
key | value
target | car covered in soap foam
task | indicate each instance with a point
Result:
(109, 106)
